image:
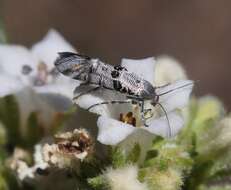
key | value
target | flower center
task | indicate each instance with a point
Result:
(134, 117)
(128, 118)
(77, 142)
(42, 76)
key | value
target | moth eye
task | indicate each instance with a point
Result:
(137, 81)
(115, 74)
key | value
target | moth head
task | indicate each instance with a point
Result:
(155, 100)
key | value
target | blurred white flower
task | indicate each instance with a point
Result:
(124, 178)
(19, 163)
(21, 67)
(49, 108)
(168, 70)
(119, 121)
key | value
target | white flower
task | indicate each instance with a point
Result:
(168, 70)
(124, 179)
(21, 67)
(113, 131)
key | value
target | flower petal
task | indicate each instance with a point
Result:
(9, 85)
(142, 67)
(28, 102)
(13, 58)
(168, 70)
(160, 126)
(46, 50)
(111, 131)
(65, 90)
(178, 97)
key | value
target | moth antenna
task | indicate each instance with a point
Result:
(176, 89)
(166, 114)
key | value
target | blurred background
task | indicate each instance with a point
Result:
(196, 32)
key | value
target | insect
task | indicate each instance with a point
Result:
(117, 78)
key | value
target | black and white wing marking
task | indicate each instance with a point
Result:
(73, 65)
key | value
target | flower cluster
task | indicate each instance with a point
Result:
(185, 145)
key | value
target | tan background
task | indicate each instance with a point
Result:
(196, 32)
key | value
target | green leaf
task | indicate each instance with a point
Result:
(134, 154)
(158, 140)
(118, 158)
(199, 175)
(60, 119)
(3, 135)
(34, 130)
(98, 183)
(221, 186)
(151, 154)
(3, 183)
(9, 116)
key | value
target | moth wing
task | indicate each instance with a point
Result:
(73, 65)
(175, 95)
(100, 95)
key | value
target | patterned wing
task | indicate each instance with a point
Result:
(74, 65)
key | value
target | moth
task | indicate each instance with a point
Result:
(116, 78)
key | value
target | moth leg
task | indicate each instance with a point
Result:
(141, 104)
(86, 92)
(166, 115)
(146, 111)
(110, 102)
(134, 98)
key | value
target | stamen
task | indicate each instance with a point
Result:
(73, 143)
(42, 76)
(128, 118)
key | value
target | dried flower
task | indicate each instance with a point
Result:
(68, 148)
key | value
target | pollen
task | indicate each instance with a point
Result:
(74, 143)
(128, 118)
